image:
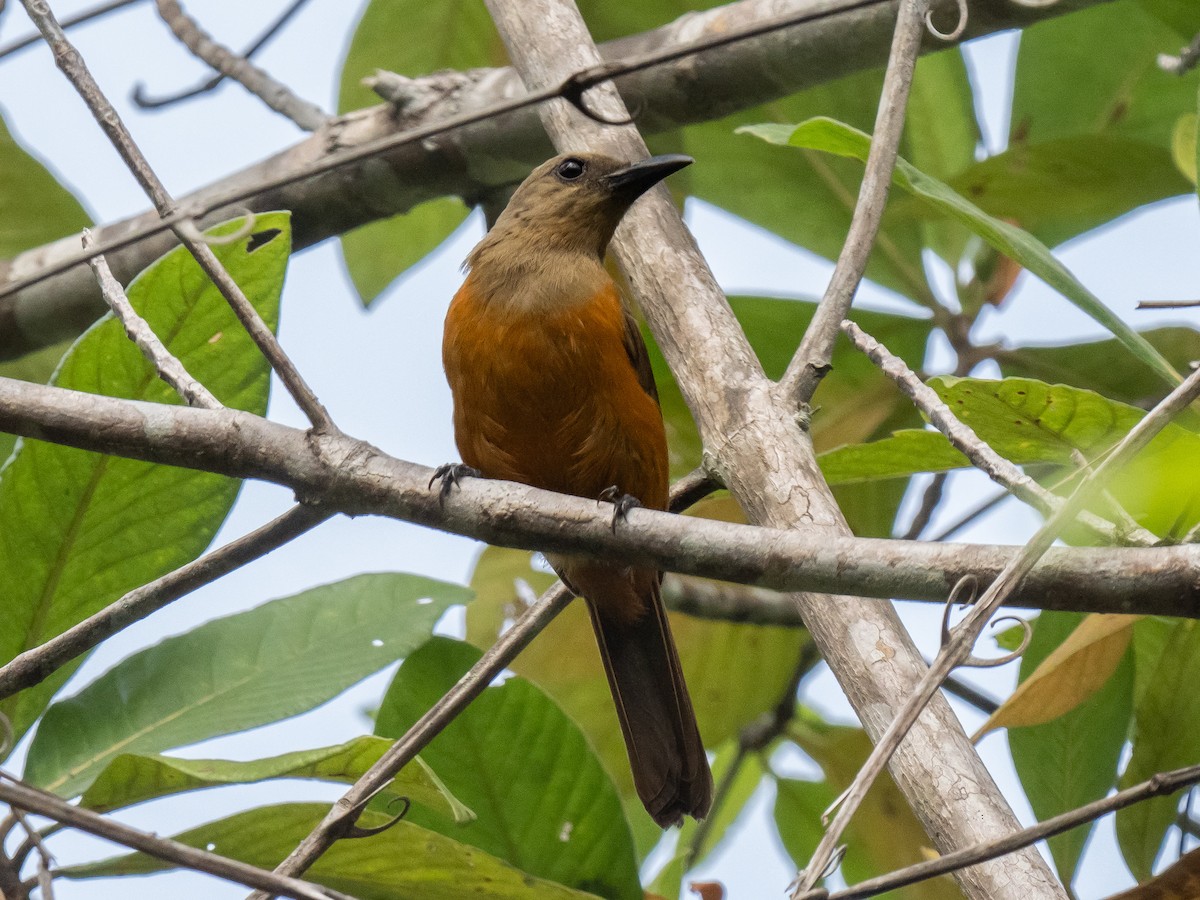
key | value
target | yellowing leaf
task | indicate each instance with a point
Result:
(1071, 674)
(1183, 145)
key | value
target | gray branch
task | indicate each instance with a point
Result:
(336, 473)
(477, 160)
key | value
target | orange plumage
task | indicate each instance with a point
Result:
(552, 388)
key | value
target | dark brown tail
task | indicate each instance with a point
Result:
(666, 754)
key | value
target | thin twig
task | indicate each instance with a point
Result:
(275, 94)
(169, 369)
(1167, 304)
(146, 102)
(1183, 63)
(970, 694)
(34, 666)
(970, 516)
(815, 354)
(983, 457)
(965, 634)
(930, 498)
(1159, 785)
(70, 22)
(23, 796)
(72, 65)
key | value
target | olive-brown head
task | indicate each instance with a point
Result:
(572, 203)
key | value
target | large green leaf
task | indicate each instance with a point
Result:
(1071, 760)
(1089, 364)
(135, 778)
(277, 660)
(839, 139)
(34, 208)
(1121, 91)
(1166, 735)
(403, 862)
(543, 801)
(1063, 187)
(79, 529)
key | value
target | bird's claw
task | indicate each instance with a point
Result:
(450, 474)
(622, 503)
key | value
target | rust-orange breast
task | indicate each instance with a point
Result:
(550, 398)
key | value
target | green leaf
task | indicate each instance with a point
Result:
(403, 862)
(77, 529)
(1060, 188)
(135, 778)
(1184, 149)
(34, 208)
(1071, 760)
(1166, 735)
(35, 367)
(377, 254)
(840, 139)
(1088, 364)
(277, 660)
(1121, 91)
(543, 801)
(898, 456)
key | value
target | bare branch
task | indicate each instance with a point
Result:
(1159, 785)
(336, 473)
(275, 94)
(23, 796)
(87, 15)
(966, 441)
(815, 354)
(955, 651)
(43, 302)
(145, 102)
(72, 66)
(169, 369)
(34, 666)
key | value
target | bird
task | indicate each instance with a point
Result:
(552, 387)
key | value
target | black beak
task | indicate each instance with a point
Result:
(634, 180)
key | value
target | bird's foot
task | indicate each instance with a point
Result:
(450, 474)
(622, 503)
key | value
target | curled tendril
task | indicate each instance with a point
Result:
(219, 240)
(357, 831)
(961, 26)
(976, 662)
(575, 88)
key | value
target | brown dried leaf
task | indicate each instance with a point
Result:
(1179, 882)
(1076, 670)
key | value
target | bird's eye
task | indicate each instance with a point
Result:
(570, 169)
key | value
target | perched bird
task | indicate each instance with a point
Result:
(552, 387)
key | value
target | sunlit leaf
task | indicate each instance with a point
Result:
(78, 529)
(434, 867)
(277, 660)
(134, 778)
(543, 801)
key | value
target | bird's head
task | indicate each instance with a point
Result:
(575, 201)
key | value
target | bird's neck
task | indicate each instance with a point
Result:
(531, 280)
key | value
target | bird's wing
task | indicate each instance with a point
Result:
(639, 358)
